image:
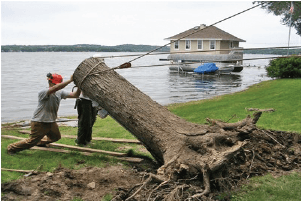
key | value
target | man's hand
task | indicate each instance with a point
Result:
(59, 86)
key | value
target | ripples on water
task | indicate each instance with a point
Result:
(24, 74)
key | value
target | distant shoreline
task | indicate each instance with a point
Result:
(122, 48)
(82, 48)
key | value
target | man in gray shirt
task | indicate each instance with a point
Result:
(44, 128)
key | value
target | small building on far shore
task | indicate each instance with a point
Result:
(203, 38)
(205, 44)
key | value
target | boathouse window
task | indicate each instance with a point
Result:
(187, 45)
(177, 45)
(231, 44)
(212, 44)
(200, 44)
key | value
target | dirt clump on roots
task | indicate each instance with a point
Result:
(267, 151)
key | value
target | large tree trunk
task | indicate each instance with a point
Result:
(181, 147)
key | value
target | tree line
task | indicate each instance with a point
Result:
(81, 48)
(120, 48)
(274, 51)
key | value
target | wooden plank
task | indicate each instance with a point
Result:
(95, 138)
(108, 139)
(73, 147)
(19, 171)
(88, 149)
(129, 159)
(12, 137)
(86, 153)
(24, 131)
(58, 150)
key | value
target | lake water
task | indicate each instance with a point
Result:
(23, 75)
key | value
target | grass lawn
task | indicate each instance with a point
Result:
(283, 95)
(269, 188)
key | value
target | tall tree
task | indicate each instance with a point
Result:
(283, 8)
(182, 148)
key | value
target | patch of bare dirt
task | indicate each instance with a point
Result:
(266, 152)
(88, 184)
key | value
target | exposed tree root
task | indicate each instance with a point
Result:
(151, 178)
(177, 193)
(206, 182)
(251, 163)
(230, 154)
(272, 138)
(237, 125)
(163, 183)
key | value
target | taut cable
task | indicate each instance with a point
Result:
(196, 32)
(128, 64)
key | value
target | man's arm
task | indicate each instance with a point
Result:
(59, 86)
(74, 94)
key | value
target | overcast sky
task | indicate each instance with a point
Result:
(134, 22)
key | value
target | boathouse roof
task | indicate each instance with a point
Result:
(205, 32)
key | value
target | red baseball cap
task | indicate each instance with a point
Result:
(55, 78)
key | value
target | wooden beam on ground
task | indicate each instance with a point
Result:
(12, 137)
(108, 139)
(95, 138)
(129, 159)
(19, 171)
(86, 153)
(83, 149)
(24, 131)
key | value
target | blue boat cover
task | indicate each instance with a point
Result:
(206, 68)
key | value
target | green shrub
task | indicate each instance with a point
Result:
(289, 67)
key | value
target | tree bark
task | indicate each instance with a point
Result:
(182, 148)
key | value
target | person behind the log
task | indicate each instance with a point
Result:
(87, 110)
(44, 128)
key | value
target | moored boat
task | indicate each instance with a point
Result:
(207, 68)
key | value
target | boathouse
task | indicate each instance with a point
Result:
(203, 38)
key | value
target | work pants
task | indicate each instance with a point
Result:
(37, 136)
(86, 119)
